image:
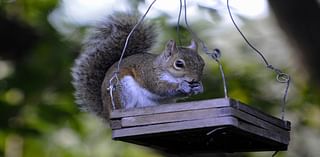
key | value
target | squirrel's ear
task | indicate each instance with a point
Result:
(193, 45)
(171, 48)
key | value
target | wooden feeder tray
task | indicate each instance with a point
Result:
(207, 126)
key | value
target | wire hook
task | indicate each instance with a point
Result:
(281, 77)
(113, 86)
(214, 54)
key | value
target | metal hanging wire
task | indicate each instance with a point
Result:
(178, 23)
(213, 53)
(281, 76)
(115, 78)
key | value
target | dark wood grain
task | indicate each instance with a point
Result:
(177, 126)
(203, 104)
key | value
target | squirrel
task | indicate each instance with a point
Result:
(145, 78)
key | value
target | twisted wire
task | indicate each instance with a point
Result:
(112, 86)
(281, 76)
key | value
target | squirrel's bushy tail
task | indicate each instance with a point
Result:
(102, 49)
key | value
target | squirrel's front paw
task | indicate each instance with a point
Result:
(196, 87)
(190, 88)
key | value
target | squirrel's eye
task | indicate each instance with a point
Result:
(179, 64)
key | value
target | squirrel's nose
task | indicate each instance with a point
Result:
(193, 79)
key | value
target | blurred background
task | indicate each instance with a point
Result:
(39, 40)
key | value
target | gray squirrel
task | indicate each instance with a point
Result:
(146, 79)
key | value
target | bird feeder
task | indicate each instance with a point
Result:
(207, 126)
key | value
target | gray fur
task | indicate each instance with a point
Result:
(101, 51)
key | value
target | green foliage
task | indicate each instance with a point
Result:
(38, 116)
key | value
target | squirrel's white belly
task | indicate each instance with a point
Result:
(133, 95)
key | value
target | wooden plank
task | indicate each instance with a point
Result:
(115, 124)
(197, 114)
(282, 138)
(259, 114)
(176, 116)
(256, 121)
(185, 106)
(242, 127)
(178, 126)
(204, 104)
